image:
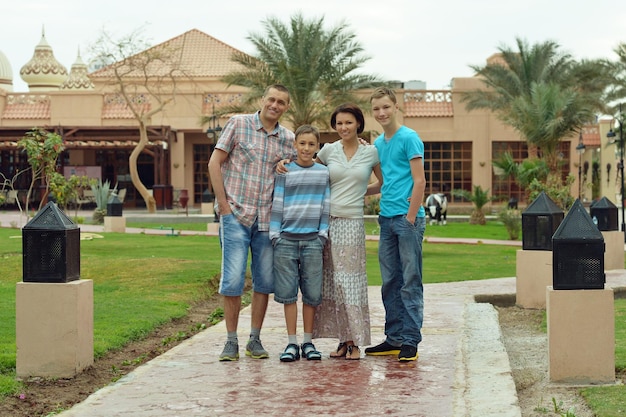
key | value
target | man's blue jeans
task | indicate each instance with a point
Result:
(237, 240)
(400, 258)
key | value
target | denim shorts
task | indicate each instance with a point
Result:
(236, 240)
(298, 264)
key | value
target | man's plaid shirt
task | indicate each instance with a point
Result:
(248, 171)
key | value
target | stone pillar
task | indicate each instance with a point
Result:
(207, 208)
(581, 336)
(533, 274)
(613, 249)
(54, 328)
(115, 224)
(213, 228)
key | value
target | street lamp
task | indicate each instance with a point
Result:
(213, 132)
(580, 149)
(611, 136)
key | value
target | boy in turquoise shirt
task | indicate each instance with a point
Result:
(402, 224)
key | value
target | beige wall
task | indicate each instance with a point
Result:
(84, 108)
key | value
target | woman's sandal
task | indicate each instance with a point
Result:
(310, 353)
(341, 351)
(353, 353)
(291, 353)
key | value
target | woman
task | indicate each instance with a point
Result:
(344, 311)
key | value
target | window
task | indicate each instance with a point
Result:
(201, 155)
(448, 166)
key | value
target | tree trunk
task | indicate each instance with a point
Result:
(134, 174)
(477, 217)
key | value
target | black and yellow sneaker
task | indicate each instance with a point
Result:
(384, 349)
(407, 353)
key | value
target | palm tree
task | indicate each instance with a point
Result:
(479, 198)
(548, 114)
(516, 72)
(522, 172)
(318, 66)
(542, 93)
(618, 74)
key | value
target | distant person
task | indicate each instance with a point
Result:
(344, 312)
(299, 230)
(402, 223)
(242, 174)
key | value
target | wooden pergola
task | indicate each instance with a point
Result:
(98, 138)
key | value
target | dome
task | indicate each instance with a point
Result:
(6, 73)
(43, 72)
(78, 79)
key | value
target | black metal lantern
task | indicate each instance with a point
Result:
(604, 214)
(51, 247)
(539, 222)
(577, 252)
(208, 196)
(114, 206)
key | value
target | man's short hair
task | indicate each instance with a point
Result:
(278, 87)
(304, 129)
(381, 92)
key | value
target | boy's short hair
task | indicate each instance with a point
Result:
(308, 129)
(381, 92)
(354, 110)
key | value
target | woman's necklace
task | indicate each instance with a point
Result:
(349, 152)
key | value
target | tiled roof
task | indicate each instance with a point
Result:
(591, 136)
(21, 106)
(196, 53)
(428, 104)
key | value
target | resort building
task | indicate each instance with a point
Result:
(100, 131)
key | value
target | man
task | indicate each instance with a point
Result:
(242, 174)
(402, 223)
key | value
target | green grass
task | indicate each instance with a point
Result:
(491, 230)
(609, 400)
(193, 226)
(141, 281)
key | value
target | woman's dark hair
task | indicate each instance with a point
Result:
(354, 110)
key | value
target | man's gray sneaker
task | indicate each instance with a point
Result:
(230, 352)
(255, 350)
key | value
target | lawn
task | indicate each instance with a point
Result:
(141, 281)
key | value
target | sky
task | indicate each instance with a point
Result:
(426, 40)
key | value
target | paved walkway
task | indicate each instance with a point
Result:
(463, 368)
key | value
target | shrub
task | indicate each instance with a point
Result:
(372, 206)
(512, 220)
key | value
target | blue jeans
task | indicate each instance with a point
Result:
(400, 258)
(236, 240)
(298, 263)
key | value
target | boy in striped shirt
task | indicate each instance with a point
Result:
(299, 230)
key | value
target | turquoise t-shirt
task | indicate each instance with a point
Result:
(395, 155)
